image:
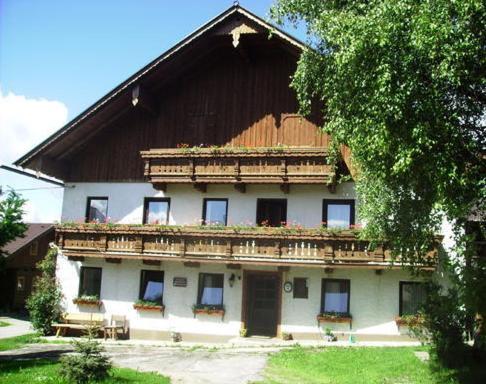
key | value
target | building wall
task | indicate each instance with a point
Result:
(125, 201)
(373, 304)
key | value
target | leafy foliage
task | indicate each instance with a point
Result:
(403, 86)
(11, 225)
(44, 305)
(88, 364)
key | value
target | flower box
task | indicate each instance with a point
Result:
(409, 321)
(216, 312)
(87, 302)
(213, 310)
(149, 307)
(334, 318)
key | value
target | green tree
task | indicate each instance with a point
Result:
(44, 304)
(402, 83)
(11, 225)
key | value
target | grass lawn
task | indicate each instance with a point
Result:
(367, 365)
(46, 372)
(4, 324)
(19, 341)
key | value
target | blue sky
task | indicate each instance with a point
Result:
(71, 53)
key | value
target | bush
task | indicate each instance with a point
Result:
(87, 364)
(44, 305)
(444, 325)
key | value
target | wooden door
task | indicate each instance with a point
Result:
(263, 304)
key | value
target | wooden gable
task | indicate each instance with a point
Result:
(227, 86)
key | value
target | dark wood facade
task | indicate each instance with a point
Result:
(227, 84)
(16, 281)
(224, 101)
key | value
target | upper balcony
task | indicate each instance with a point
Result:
(232, 245)
(238, 166)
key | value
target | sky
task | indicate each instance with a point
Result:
(57, 58)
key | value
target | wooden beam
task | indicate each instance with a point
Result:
(233, 266)
(201, 187)
(160, 186)
(151, 262)
(192, 264)
(76, 258)
(240, 187)
(113, 260)
(142, 98)
(285, 188)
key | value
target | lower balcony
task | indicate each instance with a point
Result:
(249, 245)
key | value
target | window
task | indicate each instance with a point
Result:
(97, 209)
(90, 282)
(210, 290)
(215, 211)
(338, 213)
(300, 288)
(335, 296)
(20, 286)
(271, 212)
(34, 247)
(412, 297)
(152, 286)
(156, 211)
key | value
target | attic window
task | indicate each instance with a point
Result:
(34, 248)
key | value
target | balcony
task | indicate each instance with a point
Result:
(231, 245)
(238, 166)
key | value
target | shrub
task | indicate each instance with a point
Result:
(444, 325)
(44, 305)
(88, 364)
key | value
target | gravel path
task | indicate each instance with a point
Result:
(18, 327)
(183, 366)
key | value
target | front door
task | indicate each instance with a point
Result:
(262, 303)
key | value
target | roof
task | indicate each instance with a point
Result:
(33, 232)
(29, 159)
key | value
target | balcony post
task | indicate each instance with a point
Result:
(229, 248)
(182, 248)
(328, 250)
(138, 246)
(278, 249)
(103, 243)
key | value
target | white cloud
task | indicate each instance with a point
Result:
(25, 122)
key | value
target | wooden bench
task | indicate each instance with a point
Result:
(81, 321)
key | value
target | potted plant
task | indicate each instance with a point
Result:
(287, 336)
(148, 305)
(176, 337)
(335, 317)
(330, 336)
(243, 332)
(90, 300)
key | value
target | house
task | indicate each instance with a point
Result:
(199, 201)
(23, 254)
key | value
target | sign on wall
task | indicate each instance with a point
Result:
(179, 282)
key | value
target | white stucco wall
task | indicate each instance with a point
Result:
(125, 201)
(374, 301)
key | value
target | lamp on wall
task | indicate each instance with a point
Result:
(231, 280)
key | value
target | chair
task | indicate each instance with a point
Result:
(117, 323)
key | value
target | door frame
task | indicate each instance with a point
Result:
(244, 298)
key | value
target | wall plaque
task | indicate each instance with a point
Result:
(179, 282)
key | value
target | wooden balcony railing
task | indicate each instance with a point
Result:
(278, 246)
(238, 166)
